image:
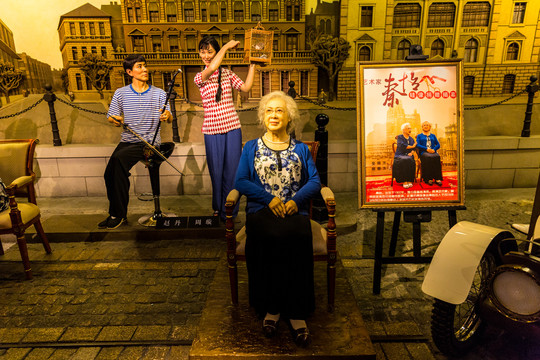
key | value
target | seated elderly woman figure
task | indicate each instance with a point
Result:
(279, 177)
(404, 165)
(428, 145)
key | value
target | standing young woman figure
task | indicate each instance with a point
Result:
(221, 126)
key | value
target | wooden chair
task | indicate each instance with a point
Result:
(324, 240)
(16, 169)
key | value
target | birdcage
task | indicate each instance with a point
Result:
(258, 45)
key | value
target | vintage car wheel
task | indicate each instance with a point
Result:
(456, 328)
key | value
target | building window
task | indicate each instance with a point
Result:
(468, 85)
(512, 52)
(104, 51)
(296, 12)
(82, 29)
(403, 49)
(101, 28)
(202, 7)
(138, 43)
(93, 50)
(167, 77)
(441, 15)
(407, 15)
(328, 27)
(173, 43)
(92, 27)
(223, 11)
(255, 11)
(130, 14)
(72, 29)
(275, 43)
(240, 38)
(74, 53)
(437, 48)
(366, 16)
(78, 80)
(471, 50)
(292, 42)
(170, 11)
(289, 12)
(189, 14)
(156, 43)
(214, 12)
(364, 54)
(284, 81)
(322, 27)
(508, 84)
(137, 13)
(238, 11)
(88, 83)
(476, 13)
(84, 51)
(153, 12)
(191, 43)
(304, 83)
(519, 13)
(265, 83)
(273, 11)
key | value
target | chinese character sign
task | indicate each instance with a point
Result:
(410, 149)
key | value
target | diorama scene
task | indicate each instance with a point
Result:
(269, 179)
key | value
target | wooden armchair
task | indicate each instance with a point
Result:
(324, 239)
(16, 170)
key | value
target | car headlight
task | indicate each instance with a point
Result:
(515, 291)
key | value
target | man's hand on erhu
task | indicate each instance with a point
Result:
(116, 120)
(166, 116)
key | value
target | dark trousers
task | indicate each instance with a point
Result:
(431, 166)
(123, 158)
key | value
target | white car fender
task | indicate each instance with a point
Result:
(451, 272)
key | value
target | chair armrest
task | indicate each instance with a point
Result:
(232, 198)
(21, 181)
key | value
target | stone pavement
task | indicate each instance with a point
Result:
(143, 299)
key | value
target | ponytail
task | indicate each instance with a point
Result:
(218, 92)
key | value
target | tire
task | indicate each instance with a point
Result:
(455, 329)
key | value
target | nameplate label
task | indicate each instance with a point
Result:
(181, 222)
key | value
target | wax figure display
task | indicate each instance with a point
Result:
(279, 177)
(428, 145)
(139, 106)
(404, 165)
(221, 125)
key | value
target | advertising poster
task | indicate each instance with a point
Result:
(410, 134)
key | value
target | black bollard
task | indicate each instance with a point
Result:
(176, 136)
(531, 89)
(319, 212)
(50, 97)
(291, 92)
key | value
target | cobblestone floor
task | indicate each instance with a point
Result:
(143, 299)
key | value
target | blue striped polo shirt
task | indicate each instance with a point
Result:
(141, 111)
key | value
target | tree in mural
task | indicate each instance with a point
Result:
(65, 80)
(97, 70)
(10, 78)
(329, 53)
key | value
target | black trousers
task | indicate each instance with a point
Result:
(431, 166)
(279, 259)
(117, 173)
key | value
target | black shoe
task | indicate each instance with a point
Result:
(438, 182)
(270, 328)
(301, 337)
(110, 223)
(430, 182)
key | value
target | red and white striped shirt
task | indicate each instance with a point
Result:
(221, 117)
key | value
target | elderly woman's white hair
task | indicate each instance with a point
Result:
(404, 125)
(290, 104)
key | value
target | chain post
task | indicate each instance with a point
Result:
(172, 103)
(319, 211)
(50, 97)
(531, 89)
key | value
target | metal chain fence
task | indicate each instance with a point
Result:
(22, 111)
(494, 104)
(81, 108)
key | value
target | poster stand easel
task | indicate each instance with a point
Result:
(416, 216)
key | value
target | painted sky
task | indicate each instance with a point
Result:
(34, 24)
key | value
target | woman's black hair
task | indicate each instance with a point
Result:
(203, 45)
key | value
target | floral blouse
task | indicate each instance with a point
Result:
(279, 171)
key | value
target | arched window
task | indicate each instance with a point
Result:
(202, 7)
(437, 48)
(476, 13)
(441, 15)
(256, 11)
(189, 13)
(407, 15)
(468, 85)
(223, 11)
(214, 11)
(238, 11)
(322, 28)
(328, 26)
(471, 50)
(508, 84)
(170, 10)
(273, 11)
(403, 49)
(153, 12)
(364, 54)
(512, 52)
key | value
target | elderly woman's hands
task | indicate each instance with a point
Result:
(280, 209)
(291, 207)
